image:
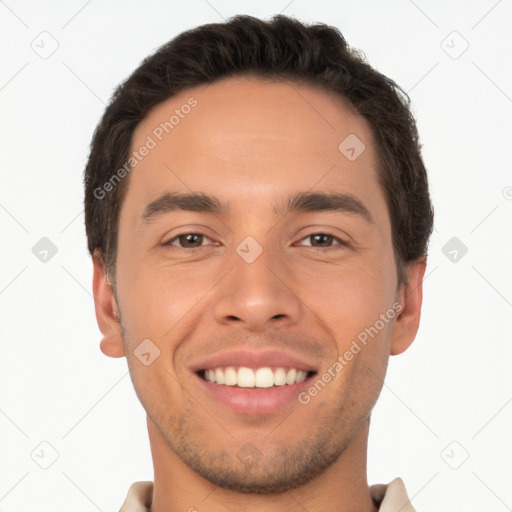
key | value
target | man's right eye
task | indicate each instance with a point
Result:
(187, 241)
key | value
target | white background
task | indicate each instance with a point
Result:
(454, 383)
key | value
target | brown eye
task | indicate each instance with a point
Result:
(187, 240)
(191, 240)
(322, 240)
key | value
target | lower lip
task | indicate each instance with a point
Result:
(254, 401)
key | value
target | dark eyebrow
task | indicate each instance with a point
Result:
(325, 202)
(193, 202)
(301, 202)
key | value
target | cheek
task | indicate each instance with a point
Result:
(348, 296)
(158, 313)
(158, 389)
(350, 302)
(156, 298)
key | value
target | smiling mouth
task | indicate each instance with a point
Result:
(263, 377)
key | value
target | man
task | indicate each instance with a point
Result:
(258, 215)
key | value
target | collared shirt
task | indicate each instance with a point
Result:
(389, 498)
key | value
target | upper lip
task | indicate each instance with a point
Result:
(253, 359)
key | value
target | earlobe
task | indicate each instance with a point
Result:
(410, 298)
(107, 314)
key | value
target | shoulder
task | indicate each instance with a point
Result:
(391, 497)
(138, 498)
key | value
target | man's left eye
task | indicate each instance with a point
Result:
(323, 240)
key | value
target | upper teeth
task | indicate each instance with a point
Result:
(258, 378)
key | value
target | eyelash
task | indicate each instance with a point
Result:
(341, 242)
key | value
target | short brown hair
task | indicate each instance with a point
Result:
(284, 48)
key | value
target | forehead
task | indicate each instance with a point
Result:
(246, 138)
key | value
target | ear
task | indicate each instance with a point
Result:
(107, 313)
(410, 298)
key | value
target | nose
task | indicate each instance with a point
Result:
(257, 296)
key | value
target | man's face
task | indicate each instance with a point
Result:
(211, 301)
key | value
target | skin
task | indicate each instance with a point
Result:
(251, 143)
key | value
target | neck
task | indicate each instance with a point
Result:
(342, 487)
